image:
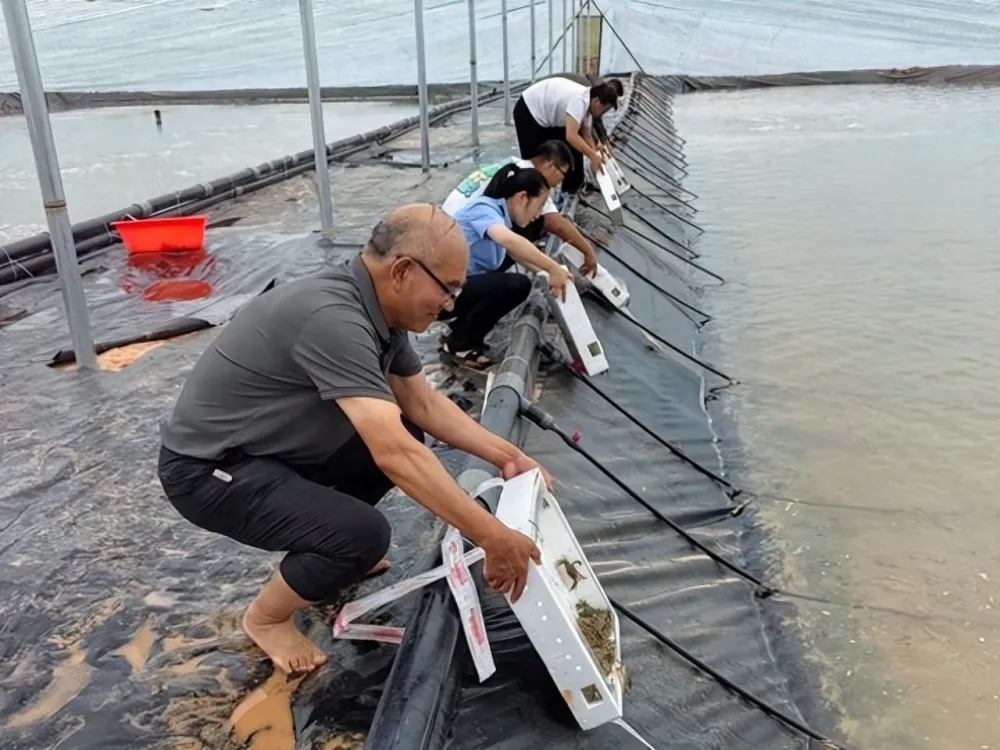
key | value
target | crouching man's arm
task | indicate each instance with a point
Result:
(438, 415)
(412, 467)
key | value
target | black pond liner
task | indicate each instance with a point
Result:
(642, 562)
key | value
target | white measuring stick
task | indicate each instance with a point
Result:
(344, 626)
(456, 570)
(467, 599)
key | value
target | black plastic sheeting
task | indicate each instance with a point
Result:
(61, 101)
(944, 74)
(92, 557)
(641, 562)
(118, 309)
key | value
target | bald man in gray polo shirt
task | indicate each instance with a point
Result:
(310, 405)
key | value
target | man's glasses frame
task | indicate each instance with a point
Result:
(447, 289)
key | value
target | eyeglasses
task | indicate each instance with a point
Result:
(563, 171)
(448, 289)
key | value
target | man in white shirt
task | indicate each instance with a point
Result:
(562, 109)
(553, 159)
(600, 133)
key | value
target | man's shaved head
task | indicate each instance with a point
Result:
(417, 257)
(418, 230)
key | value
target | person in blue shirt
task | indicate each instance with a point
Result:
(515, 196)
(553, 159)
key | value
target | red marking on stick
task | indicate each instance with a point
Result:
(477, 632)
(458, 574)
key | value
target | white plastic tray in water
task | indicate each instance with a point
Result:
(547, 609)
(612, 289)
(617, 176)
(578, 332)
(614, 203)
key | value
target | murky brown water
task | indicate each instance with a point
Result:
(69, 677)
(857, 228)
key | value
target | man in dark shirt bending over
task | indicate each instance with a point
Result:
(310, 405)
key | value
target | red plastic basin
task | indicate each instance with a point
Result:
(171, 234)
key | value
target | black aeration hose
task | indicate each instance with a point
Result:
(758, 703)
(652, 284)
(673, 347)
(556, 356)
(545, 421)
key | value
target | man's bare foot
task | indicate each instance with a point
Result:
(283, 643)
(379, 568)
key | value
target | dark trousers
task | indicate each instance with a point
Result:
(485, 298)
(531, 135)
(322, 515)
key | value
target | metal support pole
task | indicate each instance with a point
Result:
(425, 127)
(533, 44)
(563, 42)
(316, 114)
(506, 65)
(473, 76)
(552, 52)
(573, 40)
(589, 40)
(43, 146)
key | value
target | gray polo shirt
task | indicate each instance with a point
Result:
(268, 383)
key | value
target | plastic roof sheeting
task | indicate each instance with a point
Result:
(212, 44)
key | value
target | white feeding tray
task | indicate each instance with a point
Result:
(578, 332)
(612, 289)
(617, 176)
(611, 199)
(548, 607)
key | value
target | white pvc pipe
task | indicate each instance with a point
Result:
(316, 115)
(36, 114)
